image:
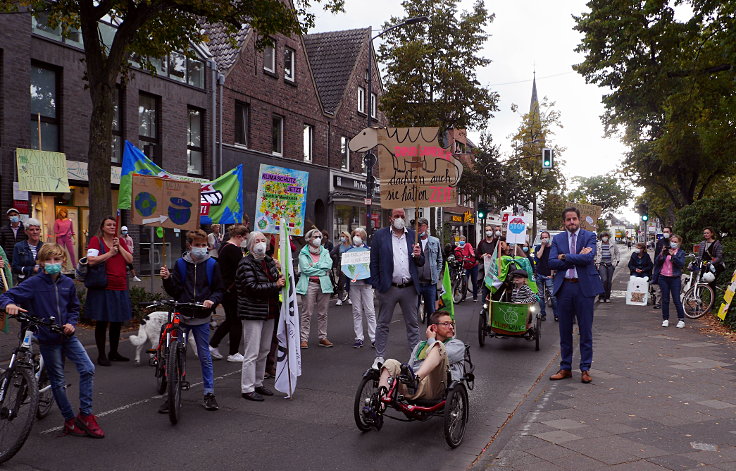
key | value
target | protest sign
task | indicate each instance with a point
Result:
(282, 194)
(727, 298)
(41, 171)
(589, 214)
(415, 170)
(516, 233)
(355, 263)
(165, 202)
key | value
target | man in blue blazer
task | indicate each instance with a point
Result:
(576, 284)
(394, 261)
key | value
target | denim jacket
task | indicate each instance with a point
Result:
(23, 259)
(678, 261)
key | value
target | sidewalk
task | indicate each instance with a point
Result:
(661, 399)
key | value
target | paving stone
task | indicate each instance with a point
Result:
(674, 462)
(565, 424)
(641, 465)
(716, 404)
(551, 452)
(558, 436)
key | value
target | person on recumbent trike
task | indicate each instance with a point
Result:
(429, 362)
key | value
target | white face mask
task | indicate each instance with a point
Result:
(604, 239)
(674, 245)
(259, 248)
(198, 253)
(489, 233)
(666, 235)
(343, 239)
(399, 224)
(498, 233)
(357, 240)
(317, 241)
(545, 241)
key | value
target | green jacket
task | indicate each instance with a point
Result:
(308, 268)
(6, 270)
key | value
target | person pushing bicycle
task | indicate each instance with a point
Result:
(195, 278)
(49, 294)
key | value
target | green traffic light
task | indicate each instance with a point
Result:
(644, 217)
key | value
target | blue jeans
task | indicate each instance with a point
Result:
(429, 293)
(546, 283)
(473, 274)
(201, 335)
(53, 358)
(671, 284)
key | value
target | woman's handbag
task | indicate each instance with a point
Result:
(96, 275)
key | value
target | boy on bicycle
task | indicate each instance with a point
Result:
(195, 278)
(49, 294)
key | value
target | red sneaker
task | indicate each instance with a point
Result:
(88, 423)
(71, 428)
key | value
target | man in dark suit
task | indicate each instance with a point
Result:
(576, 284)
(394, 260)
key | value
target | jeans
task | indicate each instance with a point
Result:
(53, 358)
(473, 274)
(201, 335)
(671, 284)
(428, 292)
(546, 283)
(605, 269)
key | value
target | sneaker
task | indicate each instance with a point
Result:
(235, 358)
(304, 345)
(680, 324)
(264, 391)
(209, 402)
(88, 423)
(325, 343)
(215, 353)
(377, 363)
(665, 323)
(71, 428)
(252, 396)
(338, 303)
(135, 278)
(358, 343)
(350, 301)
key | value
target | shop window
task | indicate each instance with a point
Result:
(277, 135)
(194, 141)
(45, 104)
(308, 142)
(242, 123)
(289, 64)
(344, 154)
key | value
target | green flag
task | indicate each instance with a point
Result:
(446, 302)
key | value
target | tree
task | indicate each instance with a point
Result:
(488, 178)
(601, 190)
(148, 30)
(551, 209)
(431, 67)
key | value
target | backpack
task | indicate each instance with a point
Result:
(181, 269)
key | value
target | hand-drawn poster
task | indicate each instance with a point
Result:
(41, 171)
(589, 214)
(516, 233)
(355, 263)
(282, 194)
(165, 203)
(415, 170)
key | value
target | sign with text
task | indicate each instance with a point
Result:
(415, 170)
(355, 263)
(516, 233)
(589, 214)
(164, 202)
(282, 194)
(727, 298)
(41, 171)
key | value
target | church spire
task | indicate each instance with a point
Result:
(535, 102)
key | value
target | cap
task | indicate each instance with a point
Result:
(11, 210)
(423, 221)
(520, 273)
(124, 228)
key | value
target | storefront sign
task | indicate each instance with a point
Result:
(468, 218)
(282, 194)
(23, 207)
(78, 171)
(41, 171)
(454, 218)
(163, 202)
(349, 183)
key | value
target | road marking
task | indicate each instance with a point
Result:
(137, 403)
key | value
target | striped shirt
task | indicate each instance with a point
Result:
(523, 294)
(606, 252)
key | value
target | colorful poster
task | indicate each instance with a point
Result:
(221, 200)
(282, 195)
(41, 171)
(164, 202)
(589, 214)
(355, 263)
(516, 233)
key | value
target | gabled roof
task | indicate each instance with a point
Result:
(333, 57)
(225, 54)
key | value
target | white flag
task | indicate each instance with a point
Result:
(289, 355)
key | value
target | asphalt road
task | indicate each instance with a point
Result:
(314, 430)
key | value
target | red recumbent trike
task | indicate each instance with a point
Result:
(371, 404)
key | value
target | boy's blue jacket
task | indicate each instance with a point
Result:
(45, 298)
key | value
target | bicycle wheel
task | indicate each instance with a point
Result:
(45, 396)
(458, 290)
(421, 312)
(456, 415)
(160, 370)
(174, 374)
(482, 328)
(698, 301)
(365, 407)
(17, 411)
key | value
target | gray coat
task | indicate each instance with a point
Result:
(435, 258)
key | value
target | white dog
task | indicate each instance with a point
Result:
(150, 329)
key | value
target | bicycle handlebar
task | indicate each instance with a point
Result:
(33, 320)
(174, 304)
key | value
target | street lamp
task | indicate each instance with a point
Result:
(370, 159)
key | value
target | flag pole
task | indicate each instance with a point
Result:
(43, 202)
(285, 298)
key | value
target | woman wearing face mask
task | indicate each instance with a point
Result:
(641, 263)
(314, 286)
(259, 283)
(109, 305)
(466, 253)
(607, 257)
(668, 264)
(345, 243)
(362, 293)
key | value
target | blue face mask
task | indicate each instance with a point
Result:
(198, 253)
(461, 243)
(674, 245)
(525, 249)
(14, 219)
(52, 268)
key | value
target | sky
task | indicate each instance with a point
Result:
(526, 35)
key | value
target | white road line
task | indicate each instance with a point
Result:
(137, 403)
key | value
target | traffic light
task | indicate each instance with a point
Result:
(645, 217)
(548, 156)
(482, 210)
(644, 211)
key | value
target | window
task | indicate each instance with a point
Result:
(277, 135)
(361, 100)
(148, 132)
(117, 126)
(194, 141)
(344, 153)
(269, 58)
(289, 64)
(44, 102)
(373, 105)
(242, 123)
(40, 25)
(178, 67)
(308, 140)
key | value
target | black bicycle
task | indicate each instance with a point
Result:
(19, 394)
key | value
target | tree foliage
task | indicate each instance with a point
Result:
(431, 67)
(605, 191)
(672, 93)
(148, 30)
(553, 203)
(489, 178)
